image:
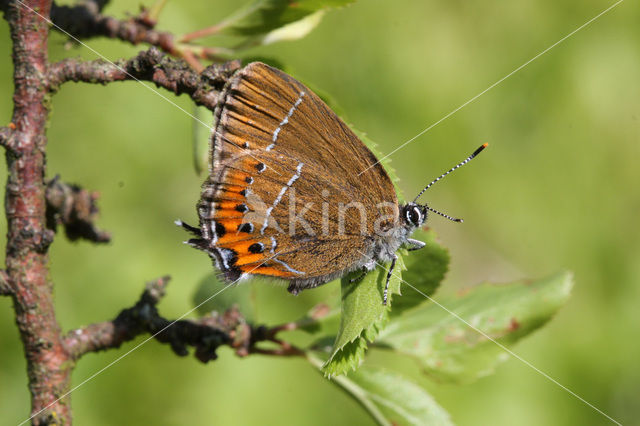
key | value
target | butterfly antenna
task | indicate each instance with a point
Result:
(444, 215)
(471, 157)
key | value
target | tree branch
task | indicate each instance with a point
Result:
(84, 20)
(74, 208)
(150, 65)
(28, 239)
(205, 334)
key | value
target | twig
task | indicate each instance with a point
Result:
(205, 334)
(285, 348)
(318, 312)
(201, 33)
(74, 208)
(84, 21)
(149, 16)
(150, 65)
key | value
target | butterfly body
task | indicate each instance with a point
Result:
(286, 196)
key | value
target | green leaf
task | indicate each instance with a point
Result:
(391, 398)
(261, 17)
(425, 270)
(295, 30)
(348, 358)
(363, 316)
(450, 350)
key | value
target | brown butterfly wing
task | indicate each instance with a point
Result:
(284, 197)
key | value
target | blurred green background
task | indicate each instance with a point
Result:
(557, 189)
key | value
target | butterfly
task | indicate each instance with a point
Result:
(292, 193)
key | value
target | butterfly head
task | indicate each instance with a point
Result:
(414, 215)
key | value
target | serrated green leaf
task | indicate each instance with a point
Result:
(347, 358)
(425, 270)
(390, 398)
(450, 350)
(363, 316)
(261, 17)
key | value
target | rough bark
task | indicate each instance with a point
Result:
(28, 238)
(150, 65)
(205, 334)
(84, 20)
(75, 209)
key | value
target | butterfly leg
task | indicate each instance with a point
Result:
(386, 286)
(366, 268)
(359, 277)
(415, 244)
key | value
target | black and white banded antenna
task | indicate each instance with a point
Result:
(471, 157)
(454, 219)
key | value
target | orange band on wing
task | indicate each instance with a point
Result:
(230, 196)
(228, 214)
(226, 205)
(247, 259)
(237, 177)
(233, 188)
(236, 181)
(230, 225)
(231, 232)
(242, 248)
